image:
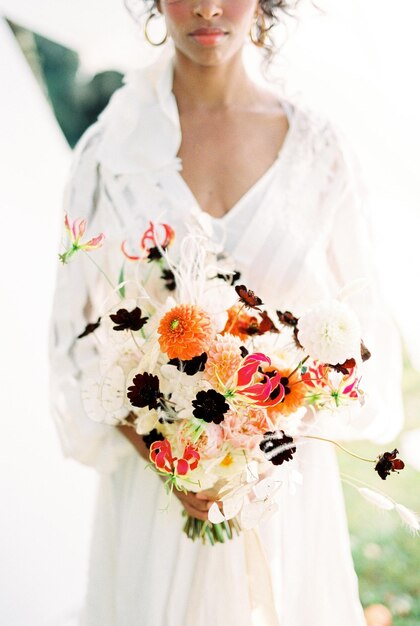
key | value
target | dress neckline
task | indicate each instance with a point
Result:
(235, 209)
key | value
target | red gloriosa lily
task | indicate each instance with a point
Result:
(252, 383)
(161, 456)
(156, 236)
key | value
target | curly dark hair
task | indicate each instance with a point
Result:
(270, 14)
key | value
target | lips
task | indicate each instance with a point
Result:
(208, 36)
(208, 31)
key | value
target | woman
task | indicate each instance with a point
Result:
(193, 138)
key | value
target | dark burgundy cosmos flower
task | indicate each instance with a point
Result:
(128, 320)
(267, 324)
(168, 278)
(154, 254)
(365, 352)
(388, 463)
(244, 352)
(275, 441)
(90, 328)
(248, 297)
(151, 437)
(210, 406)
(344, 368)
(230, 278)
(192, 366)
(288, 319)
(145, 391)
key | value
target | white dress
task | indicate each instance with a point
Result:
(298, 235)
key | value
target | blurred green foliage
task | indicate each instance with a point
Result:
(386, 554)
(76, 99)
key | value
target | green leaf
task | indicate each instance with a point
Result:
(121, 280)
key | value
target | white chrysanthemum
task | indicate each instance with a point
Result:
(330, 333)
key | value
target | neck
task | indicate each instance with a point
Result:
(211, 87)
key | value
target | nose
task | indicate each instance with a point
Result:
(207, 9)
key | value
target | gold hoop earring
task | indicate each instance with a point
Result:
(258, 31)
(146, 34)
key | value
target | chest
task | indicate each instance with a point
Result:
(224, 155)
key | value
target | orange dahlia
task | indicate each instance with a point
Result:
(185, 331)
(241, 324)
(223, 359)
(295, 392)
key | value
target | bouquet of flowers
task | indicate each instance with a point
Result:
(219, 385)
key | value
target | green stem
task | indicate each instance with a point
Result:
(298, 366)
(99, 268)
(134, 339)
(356, 456)
(218, 533)
(228, 529)
(235, 319)
(210, 535)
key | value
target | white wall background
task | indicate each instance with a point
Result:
(358, 65)
(46, 502)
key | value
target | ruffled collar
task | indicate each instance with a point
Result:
(140, 128)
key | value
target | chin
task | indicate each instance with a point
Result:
(207, 57)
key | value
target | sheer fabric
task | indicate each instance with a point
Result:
(298, 236)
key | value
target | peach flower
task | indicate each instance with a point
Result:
(245, 428)
(224, 358)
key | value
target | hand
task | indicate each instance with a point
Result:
(195, 504)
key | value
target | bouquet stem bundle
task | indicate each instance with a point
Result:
(210, 533)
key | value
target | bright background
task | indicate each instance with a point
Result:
(358, 65)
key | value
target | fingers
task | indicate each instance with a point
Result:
(201, 495)
(192, 500)
(192, 512)
(194, 505)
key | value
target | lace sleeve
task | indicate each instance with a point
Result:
(350, 258)
(90, 443)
